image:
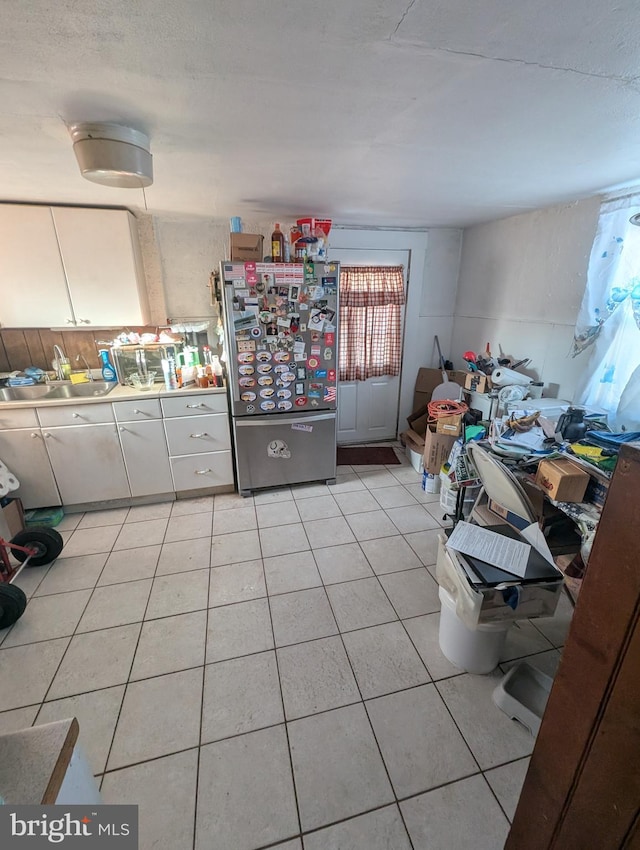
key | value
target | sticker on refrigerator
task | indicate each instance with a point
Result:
(330, 394)
(284, 393)
(246, 370)
(264, 368)
(246, 357)
(282, 357)
(315, 350)
(251, 408)
(320, 374)
(287, 377)
(330, 338)
(278, 449)
(265, 380)
(301, 373)
(313, 363)
(263, 357)
(267, 392)
(294, 292)
(328, 354)
(298, 426)
(248, 396)
(315, 390)
(281, 369)
(300, 389)
(244, 320)
(268, 405)
(331, 374)
(284, 405)
(245, 345)
(316, 319)
(301, 401)
(256, 332)
(247, 382)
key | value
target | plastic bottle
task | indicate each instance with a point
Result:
(277, 245)
(216, 368)
(108, 372)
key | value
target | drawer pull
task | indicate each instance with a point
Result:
(122, 428)
(75, 415)
(33, 436)
(199, 436)
(47, 434)
(202, 471)
(191, 406)
(135, 410)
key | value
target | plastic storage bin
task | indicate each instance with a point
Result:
(474, 650)
(523, 695)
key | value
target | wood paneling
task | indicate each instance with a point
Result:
(20, 348)
(582, 789)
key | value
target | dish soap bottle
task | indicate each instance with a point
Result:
(108, 372)
(216, 368)
(277, 245)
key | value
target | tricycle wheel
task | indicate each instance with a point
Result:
(12, 604)
(47, 542)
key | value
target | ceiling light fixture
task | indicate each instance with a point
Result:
(113, 155)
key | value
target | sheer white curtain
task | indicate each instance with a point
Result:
(607, 334)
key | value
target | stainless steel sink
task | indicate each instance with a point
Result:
(34, 393)
(88, 390)
(57, 390)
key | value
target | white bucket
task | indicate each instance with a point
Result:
(474, 650)
(430, 482)
(416, 458)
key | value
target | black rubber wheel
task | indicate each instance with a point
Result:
(12, 604)
(46, 541)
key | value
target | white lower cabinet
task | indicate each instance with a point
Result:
(23, 451)
(87, 463)
(145, 455)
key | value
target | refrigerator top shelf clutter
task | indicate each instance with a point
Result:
(282, 332)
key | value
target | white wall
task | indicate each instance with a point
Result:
(521, 283)
(433, 275)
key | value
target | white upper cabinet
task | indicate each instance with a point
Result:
(70, 267)
(101, 258)
(33, 287)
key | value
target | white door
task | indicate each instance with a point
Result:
(368, 410)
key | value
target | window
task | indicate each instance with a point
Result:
(371, 299)
(608, 326)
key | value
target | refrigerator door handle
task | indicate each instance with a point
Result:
(284, 420)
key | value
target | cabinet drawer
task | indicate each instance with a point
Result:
(81, 414)
(20, 418)
(193, 472)
(141, 410)
(192, 405)
(197, 434)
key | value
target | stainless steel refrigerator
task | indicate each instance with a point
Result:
(281, 323)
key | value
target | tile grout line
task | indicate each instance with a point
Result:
(284, 713)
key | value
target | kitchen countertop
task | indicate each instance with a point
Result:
(119, 393)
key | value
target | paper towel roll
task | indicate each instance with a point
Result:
(508, 377)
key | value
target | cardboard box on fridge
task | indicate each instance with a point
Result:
(436, 449)
(247, 247)
(11, 519)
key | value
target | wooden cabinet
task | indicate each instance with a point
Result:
(32, 279)
(144, 447)
(87, 463)
(103, 266)
(23, 451)
(70, 266)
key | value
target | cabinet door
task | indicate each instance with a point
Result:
(102, 262)
(32, 278)
(23, 451)
(87, 463)
(146, 458)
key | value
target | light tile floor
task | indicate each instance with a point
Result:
(265, 672)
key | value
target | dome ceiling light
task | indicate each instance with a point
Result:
(113, 155)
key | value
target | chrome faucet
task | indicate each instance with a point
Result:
(60, 361)
(80, 357)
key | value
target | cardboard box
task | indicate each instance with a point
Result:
(11, 519)
(449, 425)
(247, 247)
(562, 480)
(418, 421)
(428, 379)
(477, 382)
(436, 449)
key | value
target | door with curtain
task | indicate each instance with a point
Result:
(368, 405)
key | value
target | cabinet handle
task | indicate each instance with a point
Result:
(194, 405)
(47, 434)
(84, 321)
(199, 436)
(70, 322)
(202, 471)
(33, 436)
(122, 428)
(136, 410)
(76, 415)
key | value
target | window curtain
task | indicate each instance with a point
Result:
(607, 334)
(371, 300)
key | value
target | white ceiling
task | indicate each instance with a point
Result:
(374, 112)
